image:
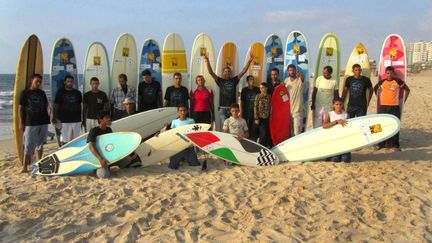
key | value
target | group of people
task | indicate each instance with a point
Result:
(249, 119)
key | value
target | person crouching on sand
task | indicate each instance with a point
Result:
(104, 120)
(333, 118)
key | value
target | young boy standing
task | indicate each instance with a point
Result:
(235, 124)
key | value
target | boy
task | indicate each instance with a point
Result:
(104, 120)
(247, 99)
(94, 101)
(262, 114)
(235, 124)
(176, 94)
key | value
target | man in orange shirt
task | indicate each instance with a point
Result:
(390, 103)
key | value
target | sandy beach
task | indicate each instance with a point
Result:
(381, 196)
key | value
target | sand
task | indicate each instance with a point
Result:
(381, 196)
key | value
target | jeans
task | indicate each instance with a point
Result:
(188, 155)
(392, 142)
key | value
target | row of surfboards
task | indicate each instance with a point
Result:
(76, 158)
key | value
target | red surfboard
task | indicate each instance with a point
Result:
(393, 54)
(280, 119)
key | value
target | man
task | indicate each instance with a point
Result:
(129, 107)
(325, 90)
(119, 93)
(390, 104)
(149, 93)
(228, 88)
(274, 81)
(295, 85)
(247, 100)
(33, 120)
(104, 121)
(176, 94)
(188, 154)
(67, 109)
(94, 101)
(357, 85)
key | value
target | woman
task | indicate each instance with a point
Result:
(202, 102)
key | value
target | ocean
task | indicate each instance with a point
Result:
(6, 94)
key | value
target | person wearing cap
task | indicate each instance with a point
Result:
(149, 93)
(129, 107)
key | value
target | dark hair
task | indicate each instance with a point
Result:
(68, 77)
(102, 114)
(181, 105)
(146, 72)
(234, 105)
(390, 68)
(356, 66)
(94, 79)
(275, 69)
(337, 99)
(36, 75)
(199, 76)
(177, 74)
(291, 66)
(123, 76)
(265, 84)
(329, 69)
(249, 77)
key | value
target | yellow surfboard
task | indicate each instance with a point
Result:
(173, 61)
(30, 62)
(257, 67)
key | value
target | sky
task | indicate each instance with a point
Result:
(243, 22)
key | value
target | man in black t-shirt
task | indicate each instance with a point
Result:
(274, 81)
(357, 86)
(149, 93)
(33, 120)
(227, 89)
(94, 101)
(67, 109)
(176, 94)
(247, 100)
(104, 120)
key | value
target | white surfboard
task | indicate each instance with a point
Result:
(321, 143)
(97, 65)
(167, 144)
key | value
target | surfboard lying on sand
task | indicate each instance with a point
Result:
(77, 160)
(321, 143)
(227, 147)
(167, 144)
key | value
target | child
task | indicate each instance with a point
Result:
(235, 124)
(262, 114)
(333, 118)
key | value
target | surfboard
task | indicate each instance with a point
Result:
(328, 55)
(125, 61)
(280, 118)
(359, 56)
(144, 123)
(320, 143)
(227, 147)
(274, 57)
(77, 160)
(97, 65)
(151, 60)
(228, 57)
(173, 61)
(297, 53)
(30, 61)
(167, 144)
(393, 54)
(257, 67)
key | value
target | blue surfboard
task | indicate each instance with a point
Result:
(274, 55)
(151, 59)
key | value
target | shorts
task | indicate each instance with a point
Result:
(90, 123)
(70, 131)
(296, 123)
(34, 138)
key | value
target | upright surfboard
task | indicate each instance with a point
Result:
(297, 53)
(280, 119)
(320, 143)
(77, 160)
(393, 54)
(359, 56)
(228, 57)
(257, 67)
(167, 144)
(144, 123)
(173, 61)
(328, 55)
(125, 61)
(151, 60)
(274, 57)
(227, 147)
(30, 61)
(97, 65)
